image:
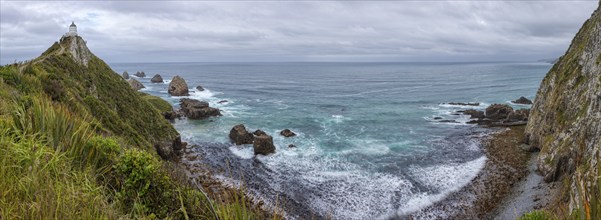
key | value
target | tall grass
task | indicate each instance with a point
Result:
(38, 182)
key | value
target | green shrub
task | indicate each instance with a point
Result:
(145, 188)
(536, 215)
(160, 104)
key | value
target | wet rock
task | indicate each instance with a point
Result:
(437, 118)
(448, 121)
(170, 150)
(523, 100)
(291, 146)
(125, 75)
(194, 109)
(156, 79)
(178, 87)
(474, 113)
(135, 84)
(498, 111)
(287, 133)
(199, 88)
(464, 103)
(239, 135)
(259, 132)
(263, 144)
(222, 101)
(519, 115)
(140, 74)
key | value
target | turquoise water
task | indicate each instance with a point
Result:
(366, 146)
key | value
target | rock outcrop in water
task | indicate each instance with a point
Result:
(156, 79)
(140, 74)
(125, 75)
(287, 133)
(497, 115)
(565, 119)
(194, 109)
(178, 87)
(263, 144)
(522, 100)
(239, 135)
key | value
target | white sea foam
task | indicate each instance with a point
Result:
(443, 178)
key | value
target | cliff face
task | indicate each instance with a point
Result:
(565, 119)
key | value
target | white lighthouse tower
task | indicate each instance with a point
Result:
(72, 30)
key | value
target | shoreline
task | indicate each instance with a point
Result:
(494, 189)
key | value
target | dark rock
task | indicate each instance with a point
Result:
(498, 111)
(263, 144)
(170, 115)
(239, 135)
(135, 84)
(199, 88)
(464, 103)
(259, 132)
(519, 115)
(222, 101)
(449, 121)
(178, 87)
(194, 109)
(523, 100)
(287, 133)
(156, 79)
(170, 150)
(291, 146)
(125, 75)
(474, 113)
(140, 74)
(437, 118)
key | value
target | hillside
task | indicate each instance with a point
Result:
(565, 122)
(77, 141)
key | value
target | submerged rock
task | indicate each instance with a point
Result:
(157, 79)
(178, 87)
(135, 84)
(194, 109)
(199, 88)
(523, 100)
(464, 103)
(125, 75)
(239, 135)
(263, 144)
(287, 133)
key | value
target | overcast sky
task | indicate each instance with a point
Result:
(397, 31)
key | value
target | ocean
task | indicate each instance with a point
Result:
(368, 144)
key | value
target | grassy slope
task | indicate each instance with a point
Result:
(75, 141)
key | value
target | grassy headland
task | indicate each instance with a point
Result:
(77, 142)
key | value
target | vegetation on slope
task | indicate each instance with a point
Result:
(76, 141)
(565, 125)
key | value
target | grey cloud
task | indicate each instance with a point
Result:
(155, 31)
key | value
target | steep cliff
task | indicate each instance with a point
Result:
(565, 120)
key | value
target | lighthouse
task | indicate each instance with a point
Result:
(72, 30)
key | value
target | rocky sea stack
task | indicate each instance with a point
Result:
(156, 79)
(178, 87)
